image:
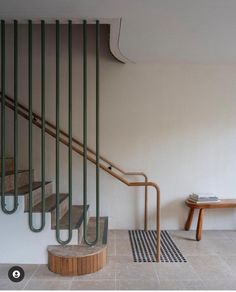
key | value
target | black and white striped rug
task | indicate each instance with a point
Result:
(143, 245)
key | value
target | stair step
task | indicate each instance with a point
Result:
(77, 218)
(25, 189)
(36, 193)
(23, 179)
(9, 163)
(50, 203)
(50, 206)
(81, 259)
(103, 229)
(11, 172)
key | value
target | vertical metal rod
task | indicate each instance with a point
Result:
(158, 227)
(30, 130)
(85, 131)
(146, 206)
(3, 134)
(70, 123)
(30, 118)
(58, 138)
(85, 126)
(57, 124)
(3, 121)
(15, 115)
(43, 121)
(97, 128)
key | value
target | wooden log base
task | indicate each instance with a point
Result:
(72, 260)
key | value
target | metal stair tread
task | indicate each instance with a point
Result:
(77, 218)
(25, 189)
(50, 203)
(11, 172)
(103, 229)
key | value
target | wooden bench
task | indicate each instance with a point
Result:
(227, 203)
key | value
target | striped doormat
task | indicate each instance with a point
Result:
(143, 245)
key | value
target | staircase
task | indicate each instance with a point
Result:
(74, 259)
(82, 248)
(47, 237)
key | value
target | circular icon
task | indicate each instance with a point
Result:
(16, 274)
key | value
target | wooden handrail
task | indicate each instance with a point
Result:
(36, 118)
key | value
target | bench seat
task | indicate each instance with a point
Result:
(222, 204)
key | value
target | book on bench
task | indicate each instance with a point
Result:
(203, 198)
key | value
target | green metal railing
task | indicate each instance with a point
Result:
(43, 127)
(85, 138)
(43, 122)
(30, 130)
(70, 125)
(3, 118)
(16, 113)
(58, 130)
(60, 135)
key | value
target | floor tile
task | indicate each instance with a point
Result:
(181, 285)
(175, 271)
(111, 235)
(182, 234)
(231, 262)
(223, 246)
(119, 259)
(195, 248)
(6, 284)
(219, 285)
(94, 285)
(211, 267)
(122, 234)
(43, 273)
(123, 247)
(137, 284)
(214, 234)
(211, 264)
(230, 234)
(48, 285)
(111, 247)
(141, 271)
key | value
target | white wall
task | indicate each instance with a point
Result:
(175, 122)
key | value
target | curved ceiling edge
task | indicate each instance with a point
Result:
(115, 30)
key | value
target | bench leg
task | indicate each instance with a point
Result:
(199, 225)
(190, 219)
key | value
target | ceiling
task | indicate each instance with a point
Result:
(179, 31)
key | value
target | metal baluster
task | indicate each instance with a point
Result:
(43, 121)
(3, 134)
(85, 131)
(70, 124)
(3, 121)
(30, 96)
(30, 118)
(58, 141)
(97, 129)
(15, 115)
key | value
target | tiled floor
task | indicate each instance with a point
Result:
(211, 265)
